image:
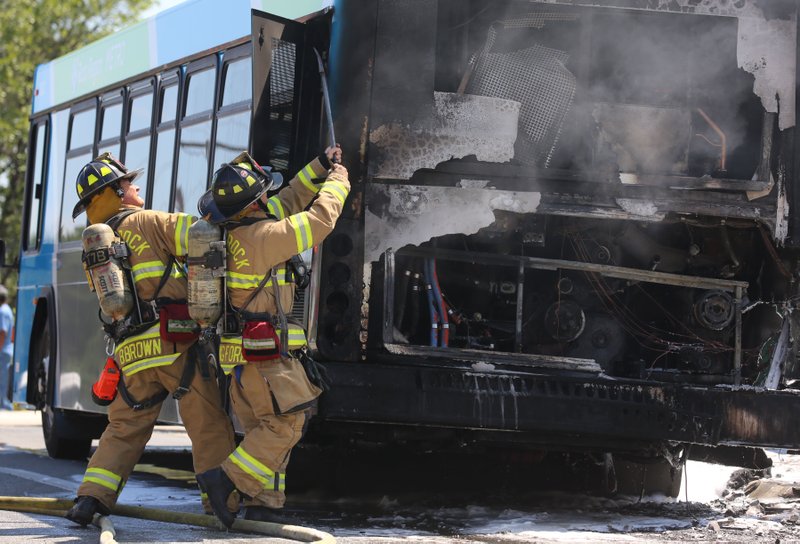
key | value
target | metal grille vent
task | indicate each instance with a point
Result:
(537, 77)
(281, 97)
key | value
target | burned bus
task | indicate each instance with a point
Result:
(571, 229)
(571, 225)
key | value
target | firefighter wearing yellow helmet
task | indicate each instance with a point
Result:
(153, 340)
(271, 394)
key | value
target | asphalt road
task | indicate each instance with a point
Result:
(27, 471)
(385, 513)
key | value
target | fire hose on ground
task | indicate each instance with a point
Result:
(58, 507)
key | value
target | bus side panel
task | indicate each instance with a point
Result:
(80, 341)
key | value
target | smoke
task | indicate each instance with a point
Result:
(662, 87)
(659, 89)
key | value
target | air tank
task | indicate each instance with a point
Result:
(107, 276)
(206, 270)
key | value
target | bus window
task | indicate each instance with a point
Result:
(72, 229)
(165, 145)
(233, 118)
(81, 151)
(111, 124)
(195, 139)
(33, 207)
(137, 141)
(192, 166)
(112, 117)
(141, 112)
(81, 131)
(200, 87)
(237, 86)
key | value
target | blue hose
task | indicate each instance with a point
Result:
(434, 338)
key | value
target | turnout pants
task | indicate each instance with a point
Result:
(273, 401)
(128, 431)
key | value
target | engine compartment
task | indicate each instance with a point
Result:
(509, 288)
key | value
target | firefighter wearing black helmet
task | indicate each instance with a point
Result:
(271, 394)
(152, 353)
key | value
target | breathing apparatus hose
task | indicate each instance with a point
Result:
(58, 507)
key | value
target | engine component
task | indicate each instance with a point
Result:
(206, 269)
(714, 310)
(564, 321)
(602, 340)
(103, 256)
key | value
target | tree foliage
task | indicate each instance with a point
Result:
(33, 32)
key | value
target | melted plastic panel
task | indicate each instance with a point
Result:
(398, 216)
(459, 125)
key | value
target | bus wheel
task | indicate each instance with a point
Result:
(56, 426)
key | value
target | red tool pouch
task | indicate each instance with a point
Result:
(176, 325)
(260, 341)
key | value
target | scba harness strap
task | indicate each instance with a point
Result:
(144, 316)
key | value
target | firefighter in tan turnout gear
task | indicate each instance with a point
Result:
(153, 341)
(270, 392)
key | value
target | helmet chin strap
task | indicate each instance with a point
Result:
(118, 190)
(262, 206)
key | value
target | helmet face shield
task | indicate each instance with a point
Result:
(208, 210)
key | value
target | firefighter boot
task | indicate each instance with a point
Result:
(271, 515)
(84, 509)
(219, 489)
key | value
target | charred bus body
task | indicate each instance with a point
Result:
(572, 226)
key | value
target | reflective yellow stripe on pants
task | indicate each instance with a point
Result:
(267, 477)
(106, 478)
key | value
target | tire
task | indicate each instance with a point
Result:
(59, 432)
(53, 427)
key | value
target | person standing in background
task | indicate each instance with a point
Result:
(6, 355)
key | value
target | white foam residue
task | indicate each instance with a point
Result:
(474, 183)
(766, 49)
(633, 206)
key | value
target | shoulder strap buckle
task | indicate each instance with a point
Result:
(180, 391)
